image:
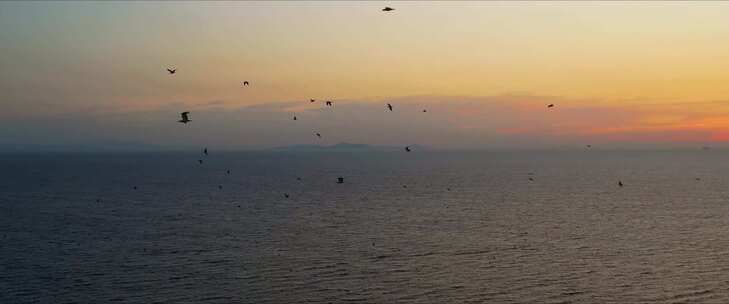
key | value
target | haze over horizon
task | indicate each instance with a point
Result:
(91, 76)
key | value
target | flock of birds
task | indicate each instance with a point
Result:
(185, 118)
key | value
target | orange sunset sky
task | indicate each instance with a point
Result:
(621, 74)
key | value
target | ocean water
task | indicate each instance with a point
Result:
(420, 227)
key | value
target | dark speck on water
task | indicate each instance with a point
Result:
(570, 238)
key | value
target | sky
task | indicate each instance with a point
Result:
(91, 75)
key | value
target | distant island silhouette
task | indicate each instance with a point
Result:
(342, 147)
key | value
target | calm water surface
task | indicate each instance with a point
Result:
(392, 233)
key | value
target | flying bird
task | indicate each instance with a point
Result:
(227, 172)
(407, 149)
(185, 118)
(388, 9)
(286, 195)
(424, 111)
(329, 103)
(246, 83)
(551, 105)
(389, 106)
(171, 71)
(620, 183)
(205, 151)
(312, 100)
(318, 135)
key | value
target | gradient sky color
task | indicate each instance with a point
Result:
(623, 74)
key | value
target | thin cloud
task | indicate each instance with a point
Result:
(519, 121)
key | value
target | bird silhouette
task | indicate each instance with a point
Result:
(205, 151)
(389, 106)
(200, 161)
(246, 83)
(185, 117)
(220, 187)
(329, 103)
(388, 9)
(424, 111)
(286, 195)
(227, 172)
(295, 117)
(318, 135)
(171, 71)
(620, 183)
(340, 180)
(312, 100)
(407, 149)
(551, 105)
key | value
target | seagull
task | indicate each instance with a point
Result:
(551, 105)
(387, 9)
(389, 106)
(329, 103)
(185, 118)
(318, 135)
(245, 83)
(312, 100)
(205, 151)
(620, 183)
(171, 71)
(340, 180)
(407, 149)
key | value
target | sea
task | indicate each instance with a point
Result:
(418, 227)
